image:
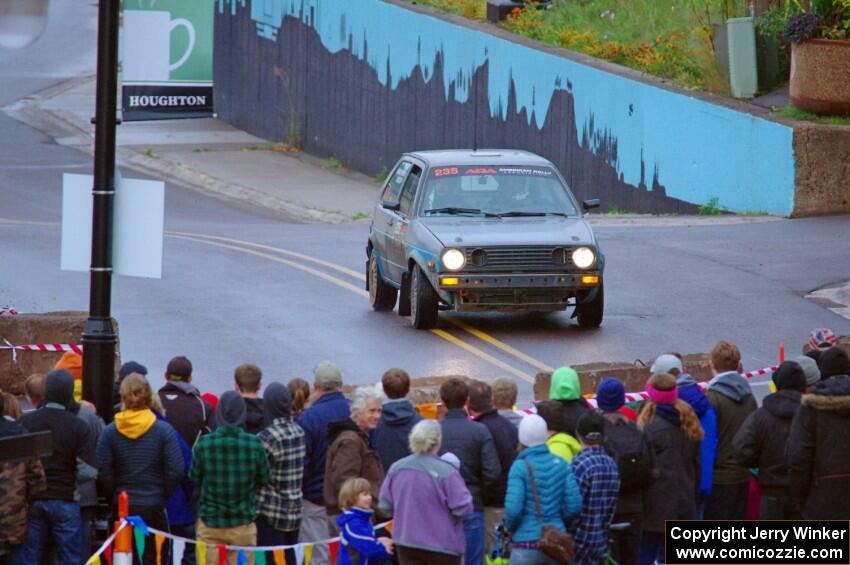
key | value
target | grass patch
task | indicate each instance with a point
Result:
(712, 208)
(333, 164)
(276, 147)
(361, 216)
(617, 212)
(798, 114)
(381, 175)
(671, 39)
(753, 213)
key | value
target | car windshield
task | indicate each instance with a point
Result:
(500, 191)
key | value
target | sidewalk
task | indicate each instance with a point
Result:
(214, 158)
(207, 155)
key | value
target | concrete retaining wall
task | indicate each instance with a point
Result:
(364, 80)
(822, 155)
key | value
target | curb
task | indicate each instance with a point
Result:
(67, 130)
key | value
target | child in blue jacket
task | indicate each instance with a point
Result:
(357, 542)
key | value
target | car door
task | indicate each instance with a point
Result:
(385, 217)
(398, 246)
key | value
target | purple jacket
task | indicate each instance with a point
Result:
(423, 489)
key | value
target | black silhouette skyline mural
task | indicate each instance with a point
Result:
(365, 80)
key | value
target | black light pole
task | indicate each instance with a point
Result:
(99, 339)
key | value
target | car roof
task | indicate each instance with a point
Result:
(461, 157)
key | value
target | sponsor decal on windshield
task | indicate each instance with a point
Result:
(478, 171)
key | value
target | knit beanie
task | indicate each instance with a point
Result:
(810, 368)
(789, 376)
(833, 361)
(610, 395)
(532, 431)
(131, 367)
(59, 387)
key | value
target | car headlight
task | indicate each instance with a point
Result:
(453, 259)
(583, 257)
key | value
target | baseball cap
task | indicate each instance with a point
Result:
(590, 428)
(666, 363)
(326, 374)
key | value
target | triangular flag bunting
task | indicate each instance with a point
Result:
(139, 537)
(222, 554)
(201, 552)
(308, 554)
(279, 556)
(178, 546)
(241, 559)
(159, 540)
(94, 560)
(299, 554)
(260, 558)
(334, 549)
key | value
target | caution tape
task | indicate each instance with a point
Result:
(48, 347)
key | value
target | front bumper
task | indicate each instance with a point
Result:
(517, 291)
(519, 281)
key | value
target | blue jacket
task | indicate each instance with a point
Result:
(560, 498)
(179, 505)
(357, 542)
(390, 437)
(691, 394)
(330, 407)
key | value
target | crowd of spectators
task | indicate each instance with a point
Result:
(465, 478)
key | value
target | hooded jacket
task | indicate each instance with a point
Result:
(187, 412)
(255, 419)
(690, 392)
(819, 470)
(672, 496)
(350, 455)
(141, 455)
(73, 363)
(397, 419)
(762, 440)
(71, 436)
(330, 407)
(564, 446)
(566, 388)
(357, 542)
(733, 401)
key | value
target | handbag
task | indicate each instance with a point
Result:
(556, 544)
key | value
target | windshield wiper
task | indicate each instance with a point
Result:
(453, 210)
(518, 213)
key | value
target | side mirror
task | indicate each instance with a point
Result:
(590, 204)
(390, 205)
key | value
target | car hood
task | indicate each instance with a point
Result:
(548, 230)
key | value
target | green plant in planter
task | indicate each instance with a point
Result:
(827, 19)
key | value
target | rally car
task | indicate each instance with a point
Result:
(482, 230)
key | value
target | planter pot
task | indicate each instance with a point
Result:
(819, 76)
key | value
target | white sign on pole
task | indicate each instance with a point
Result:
(138, 224)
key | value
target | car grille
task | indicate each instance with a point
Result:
(520, 258)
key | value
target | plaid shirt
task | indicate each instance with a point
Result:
(599, 482)
(229, 466)
(280, 500)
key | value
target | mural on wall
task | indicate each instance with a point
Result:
(365, 80)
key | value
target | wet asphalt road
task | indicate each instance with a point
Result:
(223, 302)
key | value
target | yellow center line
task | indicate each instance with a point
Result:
(362, 292)
(483, 336)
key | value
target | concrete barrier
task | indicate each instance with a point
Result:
(30, 329)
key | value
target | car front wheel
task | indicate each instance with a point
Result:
(423, 301)
(590, 313)
(381, 295)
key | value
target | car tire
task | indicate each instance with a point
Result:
(381, 295)
(423, 301)
(590, 313)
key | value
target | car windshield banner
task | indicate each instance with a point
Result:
(478, 170)
(166, 62)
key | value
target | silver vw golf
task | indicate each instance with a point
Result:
(480, 231)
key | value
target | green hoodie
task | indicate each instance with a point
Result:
(565, 385)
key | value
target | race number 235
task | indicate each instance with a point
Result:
(445, 171)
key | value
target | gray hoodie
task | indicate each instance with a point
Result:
(733, 401)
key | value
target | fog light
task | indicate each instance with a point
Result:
(590, 279)
(449, 281)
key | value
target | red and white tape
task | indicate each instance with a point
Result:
(638, 396)
(52, 347)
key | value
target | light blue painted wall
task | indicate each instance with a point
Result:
(702, 150)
